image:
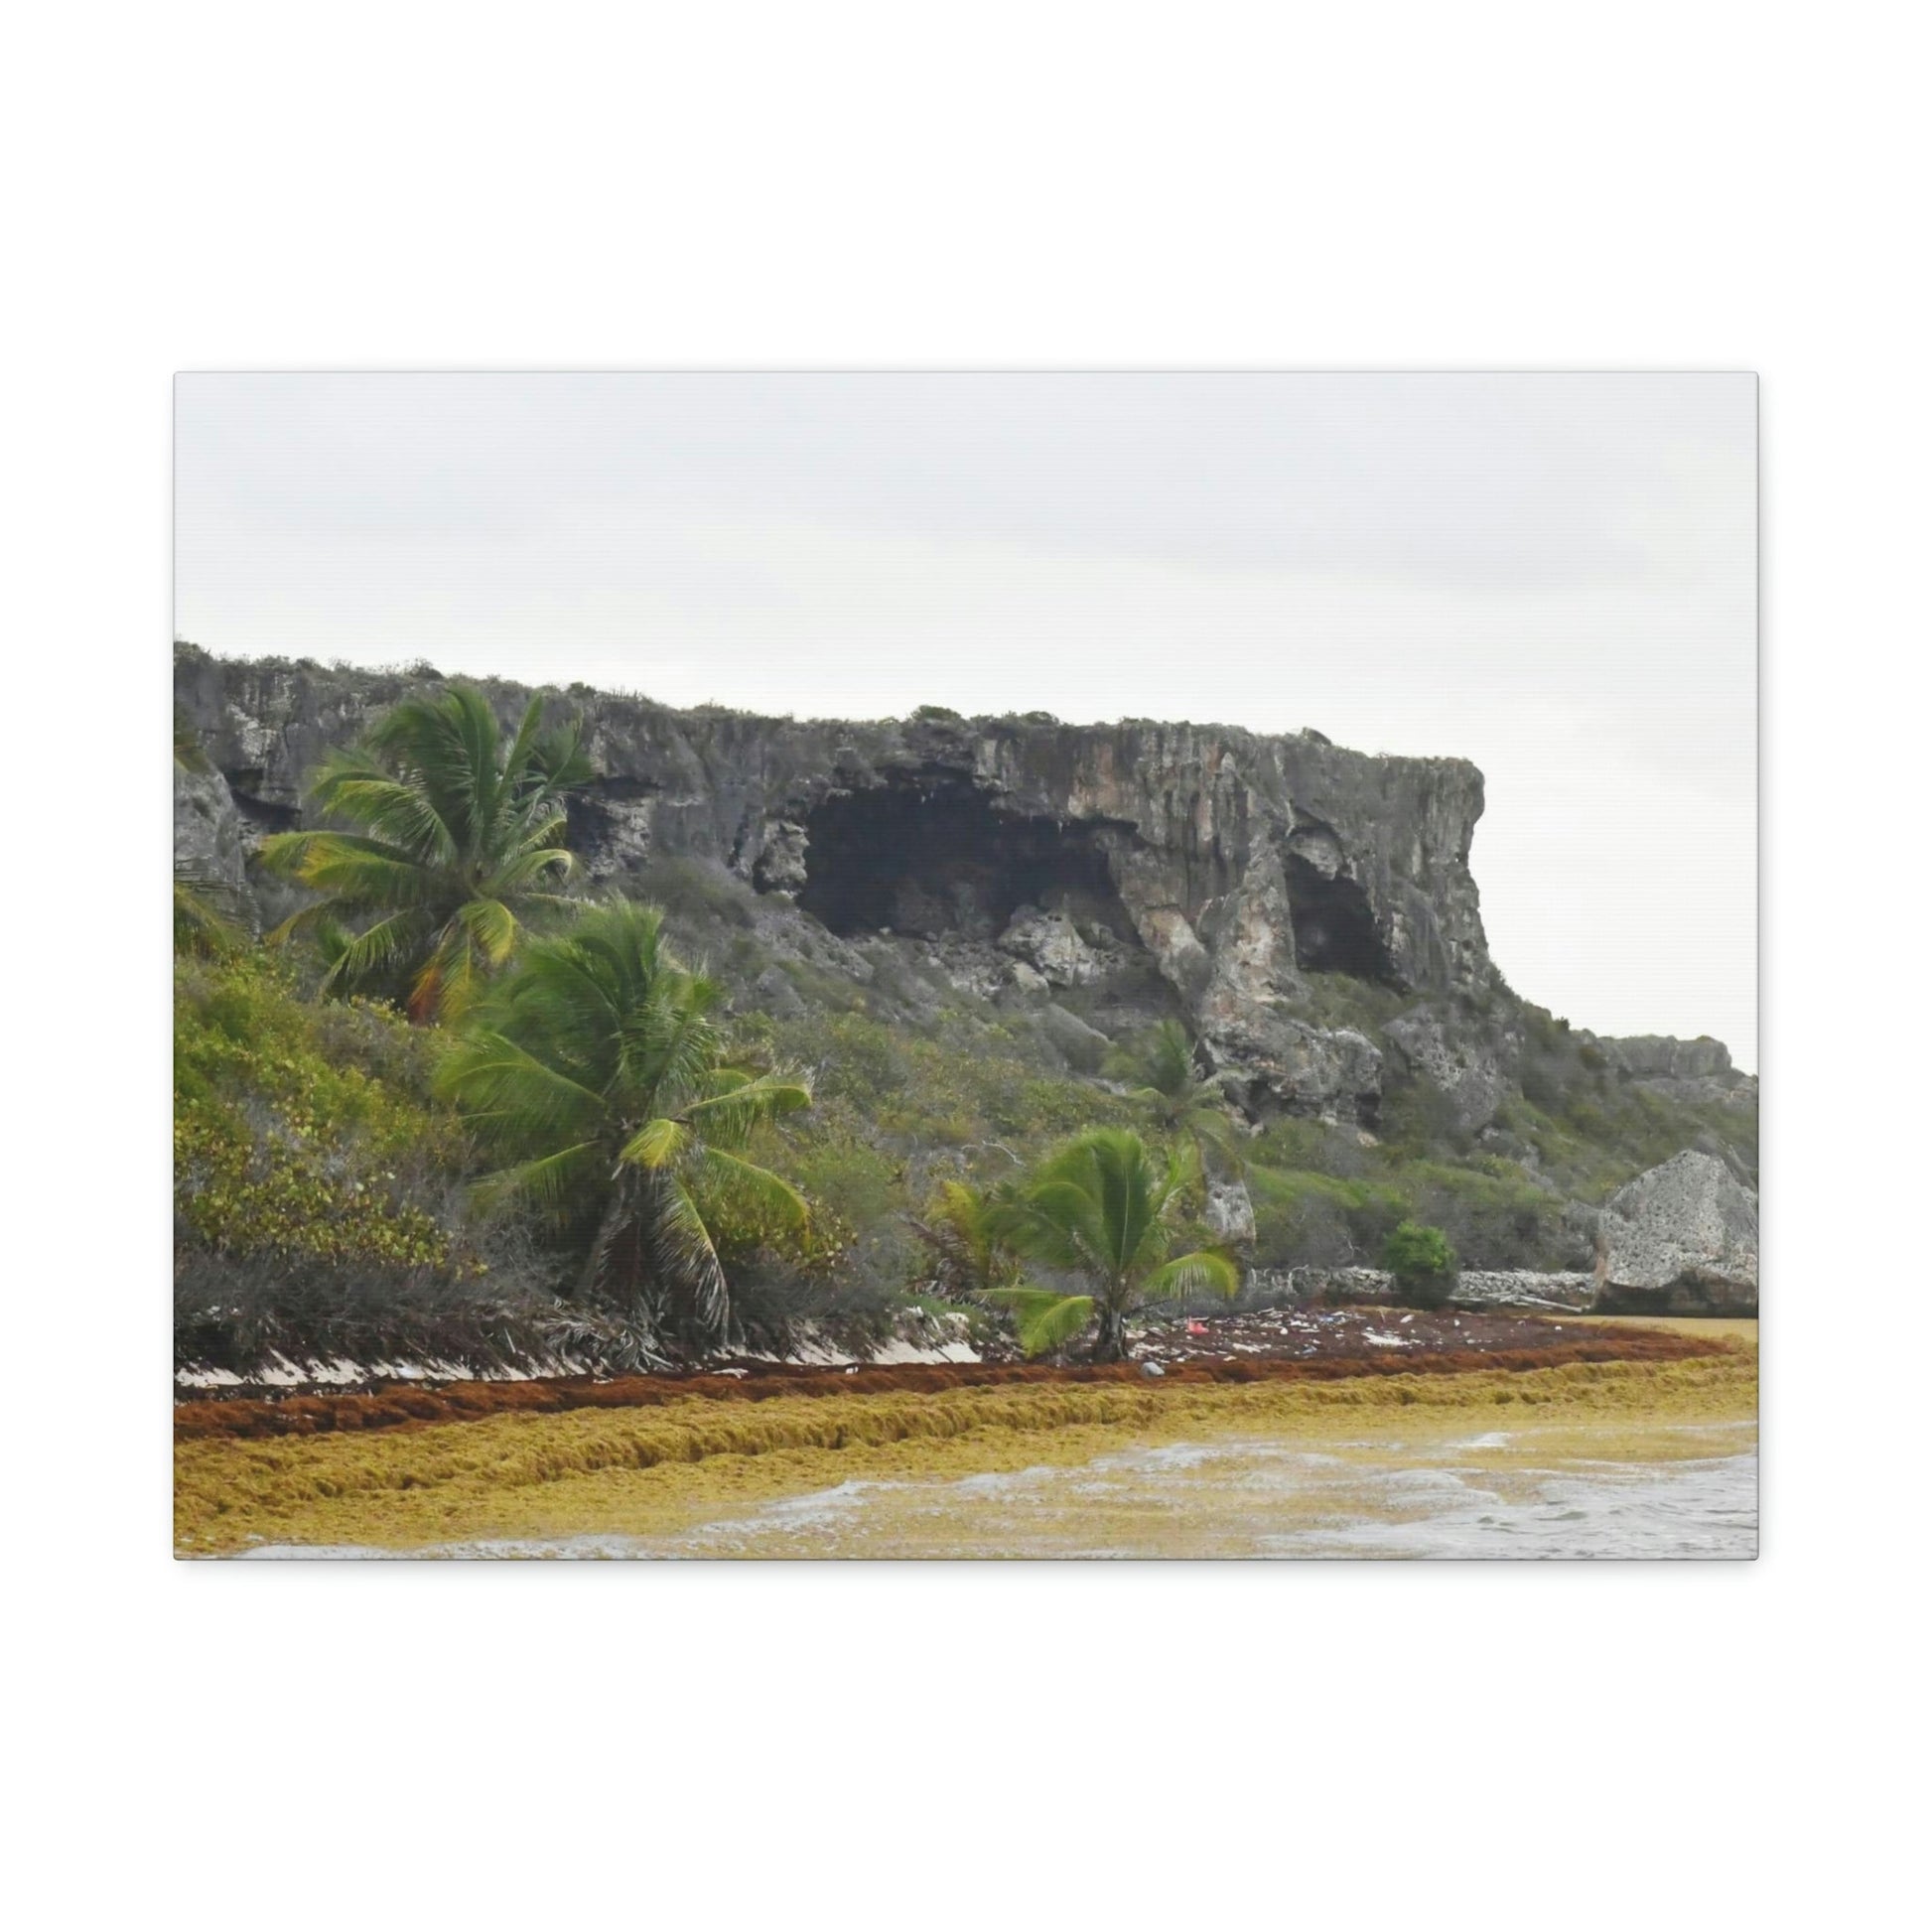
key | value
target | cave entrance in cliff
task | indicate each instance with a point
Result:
(935, 860)
(1335, 924)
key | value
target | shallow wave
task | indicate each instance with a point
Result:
(1246, 1498)
(1692, 1509)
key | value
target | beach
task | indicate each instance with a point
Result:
(1644, 1453)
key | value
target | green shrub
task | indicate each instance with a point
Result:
(304, 1131)
(1309, 1146)
(1417, 1119)
(1340, 1000)
(1320, 1218)
(1423, 1264)
(694, 895)
(1504, 1219)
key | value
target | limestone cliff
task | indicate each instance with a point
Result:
(1233, 863)
(1130, 869)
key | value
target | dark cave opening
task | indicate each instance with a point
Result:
(244, 782)
(1334, 925)
(933, 860)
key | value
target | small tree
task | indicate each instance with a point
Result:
(1102, 1208)
(1159, 1069)
(1423, 1264)
(596, 1069)
(960, 1225)
(458, 838)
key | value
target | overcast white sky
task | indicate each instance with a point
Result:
(1555, 576)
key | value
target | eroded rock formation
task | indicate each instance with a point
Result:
(1268, 890)
(211, 846)
(1681, 1238)
(1200, 869)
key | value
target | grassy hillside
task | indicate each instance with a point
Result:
(325, 1205)
(322, 1200)
(972, 1089)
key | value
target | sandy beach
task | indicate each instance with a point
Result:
(1649, 1447)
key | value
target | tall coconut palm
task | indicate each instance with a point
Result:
(459, 837)
(595, 1069)
(1102, 1207)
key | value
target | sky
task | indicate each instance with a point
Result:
(1554, 576)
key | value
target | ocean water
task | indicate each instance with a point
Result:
(1487, 1496)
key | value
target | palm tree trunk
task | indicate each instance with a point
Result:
(1111, 1343)
(673, 1294)
(617, 1269)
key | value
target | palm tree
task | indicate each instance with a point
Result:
(961, 1226)
(595, 1069)
(1102, 1207)
(1161, 1070)
(459, 839)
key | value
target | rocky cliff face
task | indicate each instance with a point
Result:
(1206, 868)
(1269, 890)
(211, 844)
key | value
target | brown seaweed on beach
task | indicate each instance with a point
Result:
(249, 1417)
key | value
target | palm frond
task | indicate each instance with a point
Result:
(511, 1091)
(363, 880)
(375, 950)
(731, 1116)
(961, 1224)
(657, 1143)
(559, 761)
(492, 928)
(547, 861)
(1206, 1272)
(686, 1264)
(768, 1194)
(553, 1183)
(1044, 1319)
(200, 927)
(393, 808)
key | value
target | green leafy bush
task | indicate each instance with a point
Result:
(1338, 1000)
(693, 895)
(1505, 1218)
(303, 1130)
(1320, 1218)
(1423, 1264)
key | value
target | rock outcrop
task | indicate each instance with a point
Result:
(1698, 1071)
(211, 848)
(1488, 1287)
(1287, 898)
(1222, 865)
(1473, 1072)
(1681, 1239)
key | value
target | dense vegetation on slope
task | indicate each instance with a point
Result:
(327, 1174)
(976, 1090)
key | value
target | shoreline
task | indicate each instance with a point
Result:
(1273, 1345)
(666, 1467)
